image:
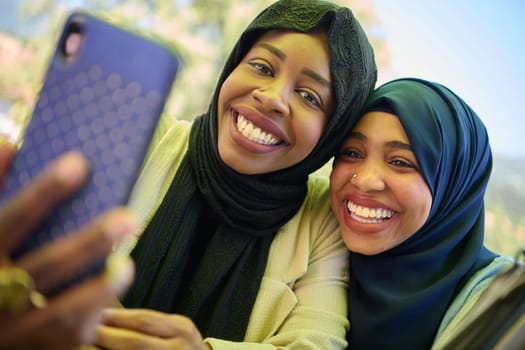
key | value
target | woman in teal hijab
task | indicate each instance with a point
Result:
(407, 187)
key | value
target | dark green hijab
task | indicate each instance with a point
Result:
(398, 298)
(205, 251)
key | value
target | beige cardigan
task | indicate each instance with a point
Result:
(302, 300)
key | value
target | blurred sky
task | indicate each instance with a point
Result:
(476, 47)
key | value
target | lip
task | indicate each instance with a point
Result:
(365, 201)
(260, 121)
(362, 227)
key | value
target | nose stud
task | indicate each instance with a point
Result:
(354, 176)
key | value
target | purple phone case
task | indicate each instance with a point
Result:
(105, 104)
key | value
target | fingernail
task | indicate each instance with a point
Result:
(120, 224)
(119, 272)
(71, 168)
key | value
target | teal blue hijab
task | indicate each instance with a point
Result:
(398, 298)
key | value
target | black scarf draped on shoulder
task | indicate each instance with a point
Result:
(398, 298)
(205, 251)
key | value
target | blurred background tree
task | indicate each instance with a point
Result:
(203, 32)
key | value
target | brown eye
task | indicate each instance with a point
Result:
(262, 68)
(349, 153)
(310, 98)
(402, 164)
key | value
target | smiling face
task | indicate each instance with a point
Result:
(273, 107)
(388, 200)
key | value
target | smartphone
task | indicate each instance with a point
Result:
(103, 93)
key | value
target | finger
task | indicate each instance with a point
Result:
(70, 318)
(26, 209)
(118, 276)
(151, 322)
(7, 154)
(81, 250)
(125, 339)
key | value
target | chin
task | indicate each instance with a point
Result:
(238, 165)
(360, 246)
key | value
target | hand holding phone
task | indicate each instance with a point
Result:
(103, 94)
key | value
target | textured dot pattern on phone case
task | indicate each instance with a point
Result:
(92, 112)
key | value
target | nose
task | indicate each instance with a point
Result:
(273, 98)
(368, 178)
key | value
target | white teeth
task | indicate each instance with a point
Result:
(254, 133)
(369, 215)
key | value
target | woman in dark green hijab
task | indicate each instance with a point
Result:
(407, 187)
(238, 237)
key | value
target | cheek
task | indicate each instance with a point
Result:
(231, 87)
(336, 178)
(308, 132)
(420, 202)
(224, 93)
(341, 176)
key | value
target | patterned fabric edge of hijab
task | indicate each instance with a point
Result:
(248, 209)
(398, 298)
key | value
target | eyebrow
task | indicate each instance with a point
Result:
(390, 144)
(282, 56)
(317, 77)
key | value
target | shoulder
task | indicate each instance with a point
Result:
(466, 302)
(318, 196)
(312, 233)
(169, 144)
(315, 215)
(318, 184)
(481, 279)
(306, 274)
(165, 154)
(169, 126)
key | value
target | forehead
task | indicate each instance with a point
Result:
(381, 125)
(313, 43)
(320, 33)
